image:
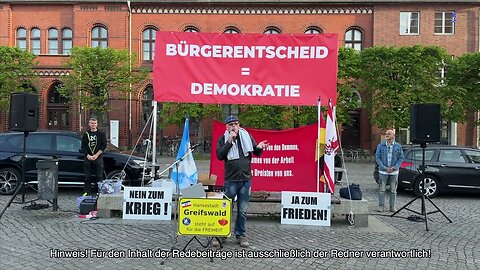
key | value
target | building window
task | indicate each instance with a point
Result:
(67, 42)
(445, 133)
(313, 30)
(353, 39)
(58, 115)
(409, 23)
(191, 29)
(148, 41)
(444, 22)
(231, 30)
(35, 41)
(99, 37)
(147, 99)
(272, 30)
(442, 71)
(54, 95)
(52, 41)
(22, 38)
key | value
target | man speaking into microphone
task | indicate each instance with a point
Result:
(235, 147)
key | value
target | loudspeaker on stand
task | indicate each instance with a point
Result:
(23, 112)
(425, 123)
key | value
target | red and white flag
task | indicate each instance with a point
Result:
(331, 147)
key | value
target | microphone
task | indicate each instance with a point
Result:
(234, 138)
(195, 146)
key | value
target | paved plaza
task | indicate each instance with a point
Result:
(39, 239)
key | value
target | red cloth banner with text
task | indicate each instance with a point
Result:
(290, 69)
(287, 164)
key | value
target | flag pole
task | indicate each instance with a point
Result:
(318, 143)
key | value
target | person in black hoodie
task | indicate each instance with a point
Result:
(94, 143)
(236, 147)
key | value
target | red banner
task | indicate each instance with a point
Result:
(245, 68)
(287, 164)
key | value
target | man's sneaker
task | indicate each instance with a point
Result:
(216, 242)
(242, 241)
(393, 209)
(381, 209)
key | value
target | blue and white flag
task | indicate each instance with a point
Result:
(187, 171)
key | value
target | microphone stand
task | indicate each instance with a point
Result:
(177, 190)
(190, 150)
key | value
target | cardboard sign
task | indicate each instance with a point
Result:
(147, 203)
(306, 208)
(208, 217)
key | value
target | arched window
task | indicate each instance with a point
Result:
(147, 99)
(99, 37)
(55, 97)
(52, 41)
(22, 38)
(58, 115)
(67, 42)
(272, 30)
(313, 30)
(231, 30)
(148, 41)
(192, 29)
(35, 41)
(353, 39)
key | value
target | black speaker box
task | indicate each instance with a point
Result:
(425, 123)
(23, 112)
(87, 205)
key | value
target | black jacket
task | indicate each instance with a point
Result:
(101, 142)
(237, 169)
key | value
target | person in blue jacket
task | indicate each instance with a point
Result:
(389, 156)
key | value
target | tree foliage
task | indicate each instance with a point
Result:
(348, 70)
(281, 117)
(96, 74)
(464, 76)
(16, 73)
(175, 113)
(395, 78)
(390, 79)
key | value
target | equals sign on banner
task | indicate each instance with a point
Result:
(245, 71)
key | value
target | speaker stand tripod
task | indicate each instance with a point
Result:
(23, 182)
(422, 196)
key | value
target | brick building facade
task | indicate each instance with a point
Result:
(50, 28)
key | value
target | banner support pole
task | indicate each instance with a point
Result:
(318, 143)
(154, 141)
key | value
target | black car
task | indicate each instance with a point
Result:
(65, 146)
(448, 168)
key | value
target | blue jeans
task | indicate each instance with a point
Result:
(242, 190)
(391, 180)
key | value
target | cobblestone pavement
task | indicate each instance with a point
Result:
(35, 239)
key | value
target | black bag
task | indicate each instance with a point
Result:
(355, 192)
